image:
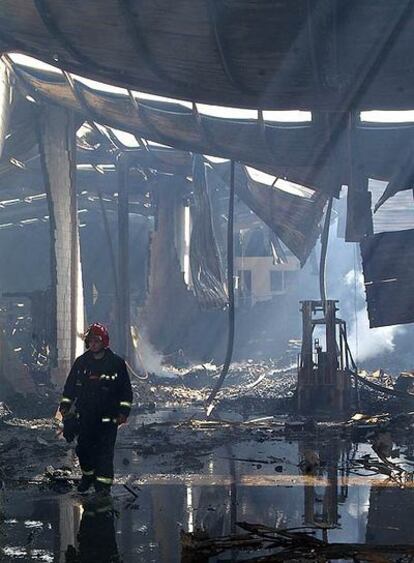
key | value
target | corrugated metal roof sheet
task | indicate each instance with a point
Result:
(388, 268)
(396, 214)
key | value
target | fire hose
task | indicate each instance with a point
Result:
(381, 389)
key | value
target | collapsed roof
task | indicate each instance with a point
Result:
(322, 153)
(332, 59)
(326, 55)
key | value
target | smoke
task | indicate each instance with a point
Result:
(366, 342)
(148, 358)
(345, 284)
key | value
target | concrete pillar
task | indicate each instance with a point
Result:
(170, 307)
(180, 242)
(124, 313)
(5, 103)
(58, 160)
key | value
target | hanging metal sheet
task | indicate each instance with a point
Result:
(388, 268)
(206, 268)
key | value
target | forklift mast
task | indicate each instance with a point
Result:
(324, 375)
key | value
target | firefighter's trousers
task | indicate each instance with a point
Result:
(95, 449)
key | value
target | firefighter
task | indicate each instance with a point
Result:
(98, 389)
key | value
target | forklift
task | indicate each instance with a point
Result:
(324, 365)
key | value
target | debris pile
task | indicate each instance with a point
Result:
(249, 382)
(27, 446)
(284, 544)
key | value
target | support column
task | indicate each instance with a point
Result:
(170, 307)
(180, 242)
(57, 143)
(307, 343)
(124, 321)
(5, 103)
(331, 375)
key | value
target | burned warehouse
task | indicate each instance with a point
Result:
(206, 291)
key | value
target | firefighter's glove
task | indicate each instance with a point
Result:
(70, 427)
(64, 409)
(121, 419)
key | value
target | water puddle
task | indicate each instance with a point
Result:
(252, 481)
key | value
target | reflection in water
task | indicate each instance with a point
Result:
(390, 516)
(322, 492)
(96, 536)
(330, 460)
(190, 509)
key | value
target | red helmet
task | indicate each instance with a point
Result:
(96, 329)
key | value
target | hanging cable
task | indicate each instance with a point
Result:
(324, 251)
(136, 344)
(135, 374)
(230, 284)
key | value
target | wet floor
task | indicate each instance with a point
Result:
(255, 482)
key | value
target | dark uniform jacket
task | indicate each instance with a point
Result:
(101, 388)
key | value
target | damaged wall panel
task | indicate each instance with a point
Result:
(294, 219)
(388, 268)
(358, 211)
(386, 154)
(58, 160)
(21, 140)
(396, 213)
